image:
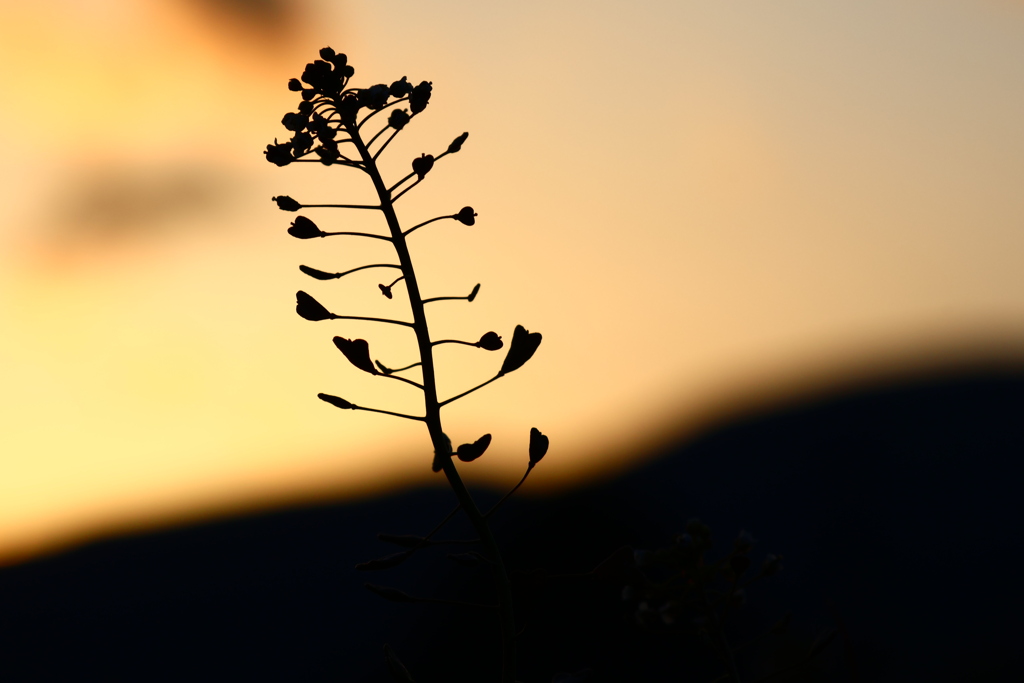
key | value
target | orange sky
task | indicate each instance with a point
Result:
(693, 202)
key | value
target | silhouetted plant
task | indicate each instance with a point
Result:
(672, 587)
(333, 127)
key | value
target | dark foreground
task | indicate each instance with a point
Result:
(897, 510)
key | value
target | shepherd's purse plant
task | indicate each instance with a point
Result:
(338, 125)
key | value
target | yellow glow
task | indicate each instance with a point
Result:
(700, 207)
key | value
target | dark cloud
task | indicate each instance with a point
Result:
(122, 203)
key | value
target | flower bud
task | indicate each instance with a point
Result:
(279, 154)
(524, 344)
(490, 342)
(294, 122)
(386, 290)
(309, 308)
(286, 203)
(305, 229)
(468, 452)
(472, 295)
(326, 53)
(419, 96)
(398, 119)
(421, 167)
(358, 353)
(400, 88)
(457, 143)
(466, 216)
(538, 446)
(294, 84)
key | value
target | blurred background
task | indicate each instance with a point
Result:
(703, 207)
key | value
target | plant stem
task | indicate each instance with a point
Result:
(442, 445)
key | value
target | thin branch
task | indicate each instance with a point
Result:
(374, 320)
(388, 412)
(360, 234)
(399, 195)
(339, 206)
(454, 341)
(446, 298)
(464, 393)
(385, 145)
(377, 111)
(395, 187)
(402, 379)
(415, 227)
(335, 276)
(388, 371)
(529, 468)
(379, 133)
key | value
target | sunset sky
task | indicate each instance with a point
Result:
(697, 203)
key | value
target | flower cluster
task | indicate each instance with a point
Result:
(328, 109)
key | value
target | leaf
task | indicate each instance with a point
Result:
(468, 452)
(524, 344)
(386, 562)
(358, 353)
(395, 666)
(309, 308)
(538, 446)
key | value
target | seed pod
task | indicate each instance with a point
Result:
(490, 341)
(457, 143)
(524, 345)
(309, 308)
(304, 229)
(358, 353)
(318, 274)
(466, 216)
(468, 452)
(538, 446)
(421, 166)
(286, 203)
(337, 402)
